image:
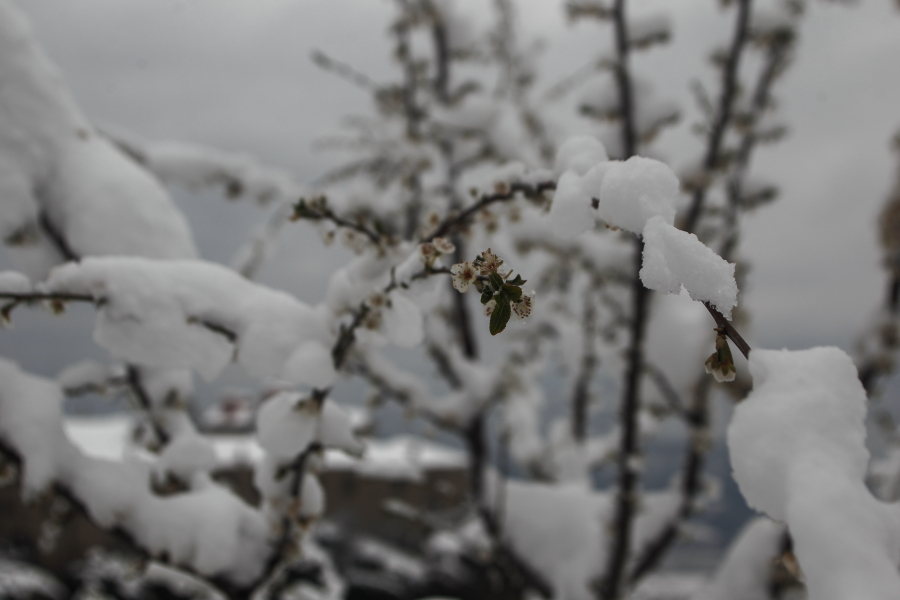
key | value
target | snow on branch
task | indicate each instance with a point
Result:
(639, 195)
(208, 529)
(193, 167)
(798, 451)
(199, 315)
(61, 181)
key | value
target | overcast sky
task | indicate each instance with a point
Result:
(236, 74)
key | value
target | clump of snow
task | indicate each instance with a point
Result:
(100, 437)
(636, 190)
(402, 321)
(55, 170)
(571, 213)
(399, 457)
(521, 418)
(187, 454)
(13, 282)
(336, 429)
(88, 374)
(625, 194)
(798, 451)
(312, 497)
(675, 258)
(746, 571)
(174, 313)
(579, 154)
(288, 423)
(194, 167)
(678, 341)
(21, 580)
(562, 530)
(208, 528)
(310, 363)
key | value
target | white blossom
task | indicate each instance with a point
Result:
(464, 274)
(521, 310)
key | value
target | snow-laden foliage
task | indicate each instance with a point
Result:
(56, 169)
(199, 315)
(448, 197)
(206, 529)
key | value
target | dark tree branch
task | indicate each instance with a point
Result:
(723, 116)
(30, 297)
(56, 238)
(456, 221)
(308, 212)
(665, 387)
(327, 63)
(730, 331)
(697, 419)
(610, 586)
(133, 377)
(581, 390)
(623, 81)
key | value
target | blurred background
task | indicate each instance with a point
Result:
(238, 76)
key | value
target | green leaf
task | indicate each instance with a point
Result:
(517, 280)
(486, 295)
(496, 281)
(500, 317)
(513, 291)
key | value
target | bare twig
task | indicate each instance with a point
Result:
(610, 584)
(456, 221)
(730, 331)
(309, 212)
(609, 587)
(589, 361)
(623, 81)
(665, 387)
(724, 113)
(327, 63)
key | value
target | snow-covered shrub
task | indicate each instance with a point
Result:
(461, 186)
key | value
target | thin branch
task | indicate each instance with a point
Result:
(56, 237)
(17, 298)
(133, 377)
(775, 60)
(665, 387)
(623, 81)
(309, 212)
(698, 421)
(730, 331)
(589, 361)
(28, 297)
(723, 114)
(609, 586)
(347, 72)
(697, 418)
(456, 221)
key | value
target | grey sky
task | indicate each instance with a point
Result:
(236, 75)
